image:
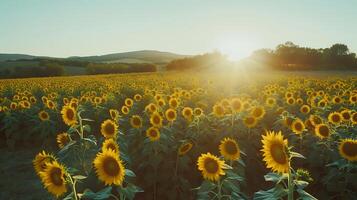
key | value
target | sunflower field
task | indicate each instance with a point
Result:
(185, 136)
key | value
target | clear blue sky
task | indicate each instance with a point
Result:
(94, 27)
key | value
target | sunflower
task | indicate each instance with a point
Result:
(171, 115)
(305, 109)
(275, 152)
(174, 103)
(53, 178)
(346, 115)
(335, 118)
(258, 112)
(354, 118)
(337, 100)
(63, 139)
(298, 126)
(161, 102)
(13, 105)
(348, 149)
(39, 163)
(187, 113)
(322, 103)
(290, 101)
(184, 148)
(109, 168)
(211, 166)
(114, 114)
(353, 99)
(69, 115)
(315, 120)
(51, 105)
(43, 115)
(236, 105)
(137, 97)
(218, 110)
(125, 110)
(250, 121)
(197, 112)
(109, 129)
(129, 102)
(110, 144)
(136, 121)
(153, 133)
(229, 149)
(156, 119)
(322, 131)
(270, 102)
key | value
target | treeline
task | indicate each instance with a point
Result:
(27, 72)
(56, 67)
(289, 56)
(199, 62)
(113, 68)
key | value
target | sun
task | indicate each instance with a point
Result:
(236, 46)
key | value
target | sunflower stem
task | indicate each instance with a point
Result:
(81, 126)
(219, 195)
(290, 185)
(73, 183)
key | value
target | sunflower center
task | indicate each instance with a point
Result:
(136, 121)
(153, 133)
(350, 149)
(211, 165)
(230, 148)
(70, 114)
(324, 131)
(249, 120)
(187, 112)
(258, 112)
(156, 119)
(335, 118)
(171, 115)
(111, 166)
(346, 115)
(173, 103)
(109, 128)
(56, 176)
(278, 153)
(44, 115)
(298, 126)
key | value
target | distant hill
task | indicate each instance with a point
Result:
(144, 56)
(135, 61)
(7, 56)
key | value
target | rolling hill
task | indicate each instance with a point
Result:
(144, 56)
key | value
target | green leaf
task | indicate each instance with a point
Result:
(129, 191)
(129, 173)
(304, 195)
(233, 176)
(205, 187)
(230, 186)
(275, 193)
(274, 177)
(101, 195)
(301, 184)
(296, 155)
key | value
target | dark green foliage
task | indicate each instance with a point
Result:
(289, 56)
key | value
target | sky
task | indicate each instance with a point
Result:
(235, 27)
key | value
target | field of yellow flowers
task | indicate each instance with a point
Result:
(183, 136)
